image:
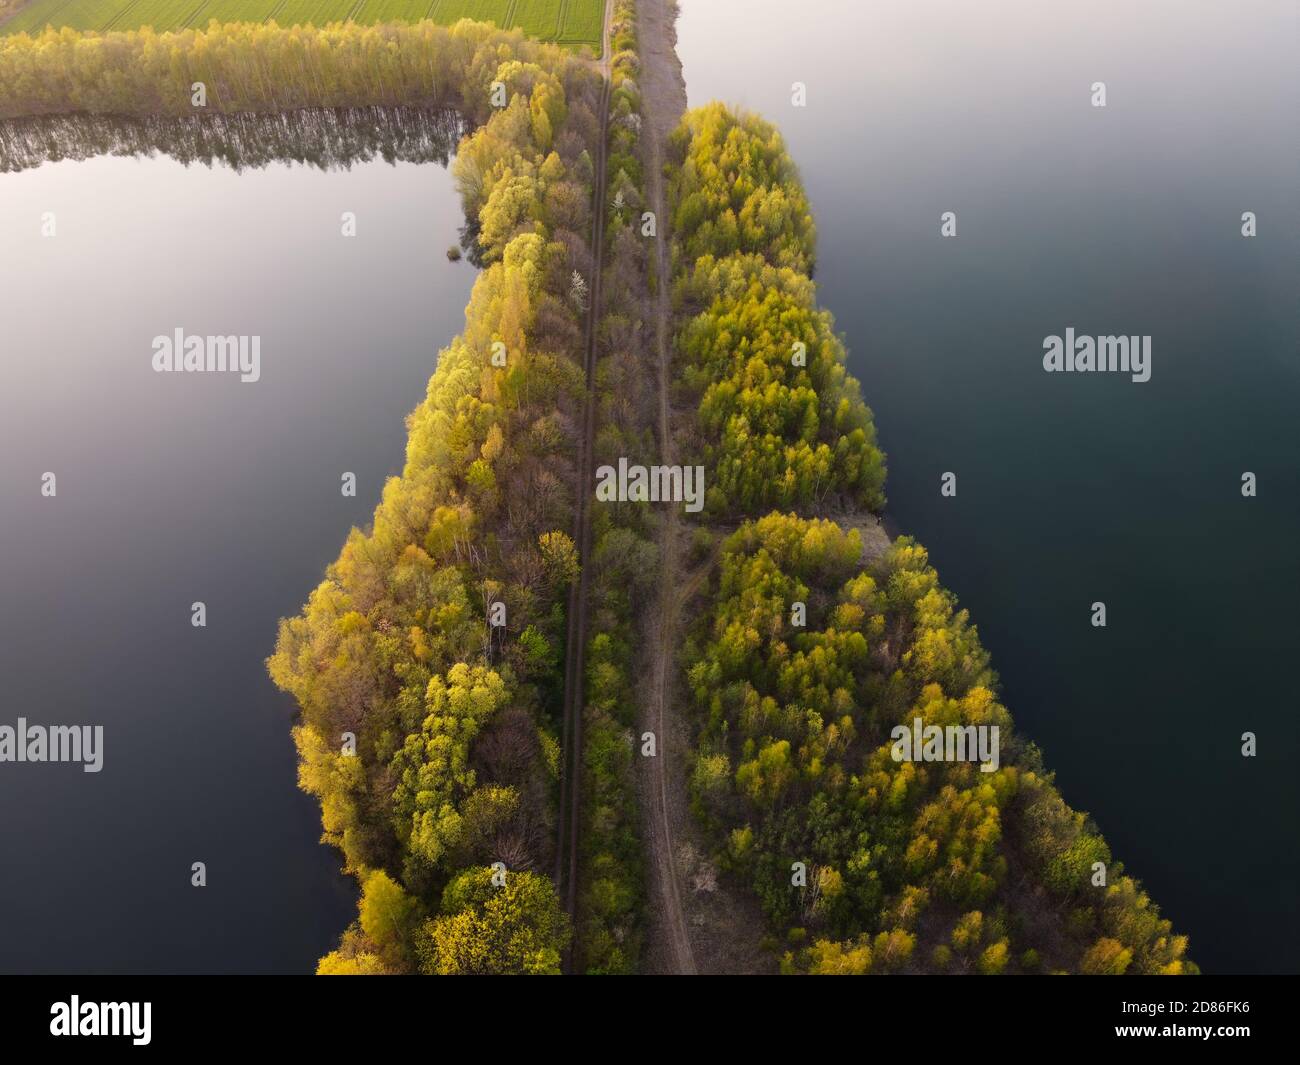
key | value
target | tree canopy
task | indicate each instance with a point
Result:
(425, 664)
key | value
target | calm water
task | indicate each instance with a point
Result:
(1079, 488)
(174, 488)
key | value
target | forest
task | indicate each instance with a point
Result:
(624, 558)
(781, 423)
(255, 67)
(428, 663)
(810, 650)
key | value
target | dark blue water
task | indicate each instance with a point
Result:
(1081, 488)
(175, 488)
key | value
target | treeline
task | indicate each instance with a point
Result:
(809, 653)
(428, 663)
(266, 67)
(780, 421)
(624, 562)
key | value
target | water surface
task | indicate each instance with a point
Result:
(176, 488)
(1075, 489)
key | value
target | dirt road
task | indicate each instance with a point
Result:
(566, 853)
(663, 101)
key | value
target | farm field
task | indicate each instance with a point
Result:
(570, 22)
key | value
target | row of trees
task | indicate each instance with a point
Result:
(780, 421)
(428, 663)
(265, 67)
(611, 897)
(808, 655)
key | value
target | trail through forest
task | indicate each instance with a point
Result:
(673, 859)
(663, 102)
(566, 857)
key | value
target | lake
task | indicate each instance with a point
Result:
(1080, 488)
(179, 488)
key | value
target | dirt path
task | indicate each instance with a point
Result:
(566, 853)
(663, 102)
(605, 54)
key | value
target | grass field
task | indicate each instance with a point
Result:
(572, 22)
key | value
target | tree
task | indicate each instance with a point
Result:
(829, 958)
(1106, 957)
(432, 768)
(578, 290)
(515, 929)
(994, 959)
(388, 917)
(559, 559)
(336, 964)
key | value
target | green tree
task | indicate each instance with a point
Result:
(516, 929)
(388, 917)
(1106, 957)
(559, 559)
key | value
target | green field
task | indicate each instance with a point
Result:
(572, 22)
